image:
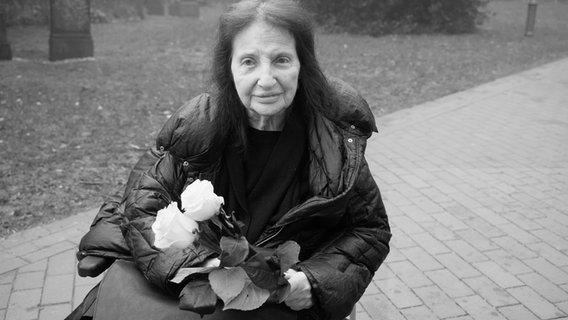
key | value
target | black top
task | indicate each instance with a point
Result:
(263, 183)
(260, 146)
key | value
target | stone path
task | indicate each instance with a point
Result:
(476, 187)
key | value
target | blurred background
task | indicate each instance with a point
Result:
(70, 130)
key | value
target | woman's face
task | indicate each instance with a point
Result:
(265, 70)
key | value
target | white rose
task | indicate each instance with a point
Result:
(174, 229)
(199, 201)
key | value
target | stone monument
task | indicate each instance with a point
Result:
(173, 8)
(5, 49)
(189, 9)
(155, 7)
(70, 30)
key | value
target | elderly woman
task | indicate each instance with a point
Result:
(285, 148)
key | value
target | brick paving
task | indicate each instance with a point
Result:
(476, 186)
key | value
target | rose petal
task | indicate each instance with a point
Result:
(199, 201)
(164, 218)
(174, 229)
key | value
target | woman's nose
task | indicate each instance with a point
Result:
(266, 77)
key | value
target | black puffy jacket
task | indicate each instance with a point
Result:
(343, 229)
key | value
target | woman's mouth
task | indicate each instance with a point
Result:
(267, 95)
(272, 97)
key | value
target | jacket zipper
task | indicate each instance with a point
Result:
(273, 235)
(270, 237)
(307, 203)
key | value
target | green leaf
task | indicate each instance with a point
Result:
(184, 273)
(280, 294)
(250, 298)
(198, 296)
(208, 238)
(232, 226)
(234, 251)
(216, 222)
(268, 254)
(288, 253)
(260, 272)
(228, 283)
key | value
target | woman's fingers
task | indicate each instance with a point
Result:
(300, 296)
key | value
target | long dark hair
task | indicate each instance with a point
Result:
(313, 89)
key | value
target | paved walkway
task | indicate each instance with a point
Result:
(476, 186)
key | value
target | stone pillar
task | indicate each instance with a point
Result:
(70, 28)
(531, 18)
(5, 50)
(173, 8)
(189, 9)
(155, 7)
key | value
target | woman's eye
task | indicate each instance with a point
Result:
(283, 60)
(247, 62)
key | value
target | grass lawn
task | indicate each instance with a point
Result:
(71, 131)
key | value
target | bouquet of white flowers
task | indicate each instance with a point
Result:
(244, 277)
(174, 228)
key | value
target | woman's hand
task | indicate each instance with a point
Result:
(300, 296)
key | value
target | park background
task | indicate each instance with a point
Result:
(71, 130)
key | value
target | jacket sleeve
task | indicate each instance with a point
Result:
(155, 189)
(104, 238)
(182, 145)
(343, 267)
